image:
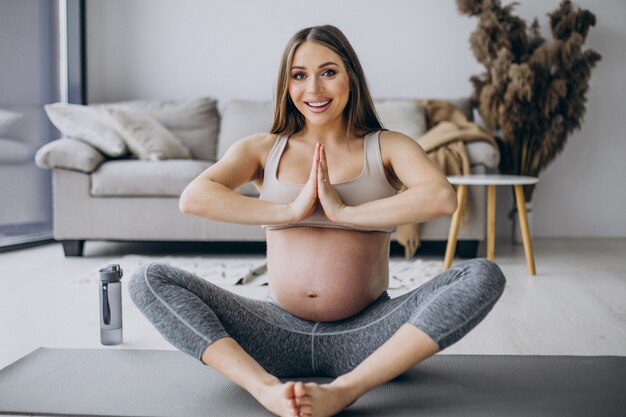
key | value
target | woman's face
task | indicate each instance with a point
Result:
(319, 85)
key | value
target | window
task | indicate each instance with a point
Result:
(37, 68)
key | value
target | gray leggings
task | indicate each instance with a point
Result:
(192, 313)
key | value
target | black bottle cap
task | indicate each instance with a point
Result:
(111, 273)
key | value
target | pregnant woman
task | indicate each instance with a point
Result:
(328, 176)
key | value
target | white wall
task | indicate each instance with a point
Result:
(150, 49)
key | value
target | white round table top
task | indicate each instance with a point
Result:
(494, 179)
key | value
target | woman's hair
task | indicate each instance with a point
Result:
(359, 115)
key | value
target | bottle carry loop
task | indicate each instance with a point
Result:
(106, 307)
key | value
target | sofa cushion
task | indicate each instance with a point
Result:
(402, 115)
(135, 178)
(145, 137)
(145, 178)
(241, 118)
(195, 122)
(88, 124)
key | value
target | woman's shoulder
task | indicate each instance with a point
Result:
(259, 140)
(396, 141)
(393, 136)
(397, 145)
(258, 143)
(255, 147)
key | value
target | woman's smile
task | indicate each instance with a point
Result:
(318, 106)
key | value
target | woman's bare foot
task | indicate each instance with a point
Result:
(279, 398)
(315, 400)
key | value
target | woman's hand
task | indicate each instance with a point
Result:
(330, 200)
(304, 205)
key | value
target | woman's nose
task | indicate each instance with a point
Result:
(314, 85)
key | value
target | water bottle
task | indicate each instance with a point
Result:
(111, 305)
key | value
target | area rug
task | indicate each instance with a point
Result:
(250, 270)
(122, 382)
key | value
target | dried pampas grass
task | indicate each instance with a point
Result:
(532, 92)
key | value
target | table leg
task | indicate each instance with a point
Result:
(491, 221)
(454, 227)
(523, 219)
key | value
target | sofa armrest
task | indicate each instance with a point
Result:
(483, 153)
(69, 154)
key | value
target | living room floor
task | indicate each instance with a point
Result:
(575, 305)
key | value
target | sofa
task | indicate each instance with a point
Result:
(103, 190)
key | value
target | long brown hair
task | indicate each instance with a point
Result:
(359, 114)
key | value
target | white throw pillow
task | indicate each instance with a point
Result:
(69, 154)
(145, 137)
(87, 124)
(195, 122)
(402, 115)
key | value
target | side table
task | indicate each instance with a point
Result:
(491, 181)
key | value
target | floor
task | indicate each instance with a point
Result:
(575, 305)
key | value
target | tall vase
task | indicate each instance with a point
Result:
(516, 230)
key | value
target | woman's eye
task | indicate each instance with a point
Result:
(301, 76)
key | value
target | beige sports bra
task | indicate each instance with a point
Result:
(371, 184)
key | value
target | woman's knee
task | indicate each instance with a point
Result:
(139, 282)
(488, 274)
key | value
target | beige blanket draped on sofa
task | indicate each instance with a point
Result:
(444, 143)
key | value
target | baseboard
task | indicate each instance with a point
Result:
(465, 248)
(25, 245)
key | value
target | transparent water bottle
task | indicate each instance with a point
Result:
(111, 305)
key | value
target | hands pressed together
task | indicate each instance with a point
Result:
(318, 188)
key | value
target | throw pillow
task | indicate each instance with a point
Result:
(402, 115)
(145, 137)
(195, 122)
(68, 154)
(87, 124)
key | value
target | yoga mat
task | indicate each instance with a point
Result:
(121, 382)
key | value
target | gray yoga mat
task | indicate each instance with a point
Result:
(106, 382)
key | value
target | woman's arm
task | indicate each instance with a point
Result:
(211, 194)
(428, 193)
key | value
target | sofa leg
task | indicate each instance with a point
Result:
(467, 249)
(73, 247)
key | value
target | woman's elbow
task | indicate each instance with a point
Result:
(187, 203)
(449, 202)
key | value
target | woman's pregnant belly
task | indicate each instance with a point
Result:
(324, 274)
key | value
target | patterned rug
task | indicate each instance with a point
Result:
(250, 270)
